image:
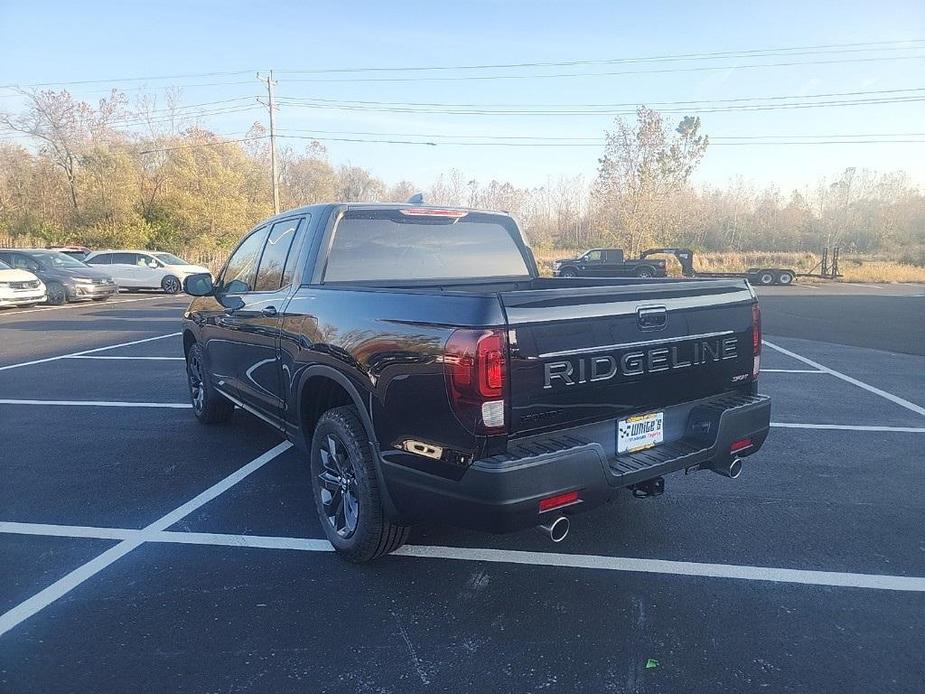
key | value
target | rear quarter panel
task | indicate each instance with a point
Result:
(389, 345)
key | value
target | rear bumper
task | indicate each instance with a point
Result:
(502, 493)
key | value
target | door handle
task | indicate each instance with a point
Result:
(269, 311)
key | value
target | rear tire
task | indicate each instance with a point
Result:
(785, 277)
(171, 285)
(56, 294)
(208, 404)
(765, 278)
(645, 271)
(346, 489)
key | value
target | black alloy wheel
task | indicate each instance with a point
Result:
(339, 499)
(208, 405)
(345, 485)
(56, 293)
(171, 284)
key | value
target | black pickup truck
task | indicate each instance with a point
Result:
(429, 373)
(608, 262)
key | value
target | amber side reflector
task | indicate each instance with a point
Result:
(558, 501)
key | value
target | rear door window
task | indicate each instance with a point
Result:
(124, 258)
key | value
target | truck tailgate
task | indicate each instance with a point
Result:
(581, 354)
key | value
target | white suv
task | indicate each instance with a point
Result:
(19, 287)
(144, 269)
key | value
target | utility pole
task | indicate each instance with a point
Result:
(269, 104)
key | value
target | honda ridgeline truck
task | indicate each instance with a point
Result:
(429, 373)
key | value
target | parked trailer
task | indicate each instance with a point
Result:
(756, 275)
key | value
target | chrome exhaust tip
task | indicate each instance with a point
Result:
(556, 529)
(732, 471)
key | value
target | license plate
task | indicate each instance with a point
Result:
(639, 432)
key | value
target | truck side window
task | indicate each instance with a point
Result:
(271, 275)
(241, 270)
(593, 256)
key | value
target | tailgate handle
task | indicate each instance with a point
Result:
(652, 318)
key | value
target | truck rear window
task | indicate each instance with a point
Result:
(383, 245)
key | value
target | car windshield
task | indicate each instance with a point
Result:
(4, 266)
(55, 259)
(169, 259)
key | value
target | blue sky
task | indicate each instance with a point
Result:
(68, 41)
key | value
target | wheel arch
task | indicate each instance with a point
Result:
(189, 339)
(322, 388)
(334, 389)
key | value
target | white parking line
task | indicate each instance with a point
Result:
(678, 568)
(575, 561)
(88, 351)
(848, 379)
(88, 304)
(97, 403)
(87, 356)
(764, 371)
(70, 581)
(849, 427)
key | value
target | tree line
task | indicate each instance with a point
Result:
(146, 175)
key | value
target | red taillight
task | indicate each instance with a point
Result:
(432, 212)
(475, 364)
(740, 445)
(558, 501)
(756, 340)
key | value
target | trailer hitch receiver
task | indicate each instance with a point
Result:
(653, 487)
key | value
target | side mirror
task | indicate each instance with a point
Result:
(199, 284)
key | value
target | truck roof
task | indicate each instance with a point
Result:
(327, 206)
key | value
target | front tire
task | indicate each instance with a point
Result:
(346, 489)
(568, 272)
(55, 294)
(208, 404)
(171, 285)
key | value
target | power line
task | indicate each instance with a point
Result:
(840, 48)
(579, 144)
(190, 116)
(127, 79)
(608, 105)
(703, 68)
(592, 139)
(203, 144)
(610, 112)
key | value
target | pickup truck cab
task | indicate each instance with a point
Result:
(608, 262)
(430, 374)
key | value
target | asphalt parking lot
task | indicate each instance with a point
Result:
(141, 550)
